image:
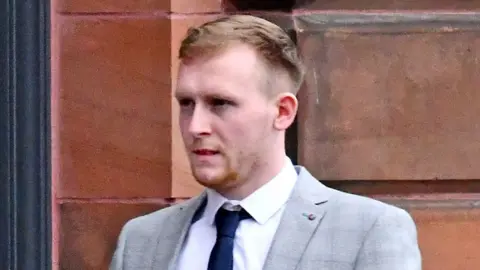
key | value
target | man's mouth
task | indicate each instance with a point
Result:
(205, 152)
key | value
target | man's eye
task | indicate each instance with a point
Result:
(218, 102)
(185, 102)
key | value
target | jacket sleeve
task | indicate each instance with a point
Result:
(118, 255)
(391, 244)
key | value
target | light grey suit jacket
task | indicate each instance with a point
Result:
(344, 232)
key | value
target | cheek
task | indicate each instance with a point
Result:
(234, 135)
(247, 136)
(183, 124)
(242, 131)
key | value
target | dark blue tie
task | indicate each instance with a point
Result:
(221, 257)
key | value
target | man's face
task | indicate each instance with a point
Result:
(226, 117)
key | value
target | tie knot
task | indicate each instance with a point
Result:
(227, 221)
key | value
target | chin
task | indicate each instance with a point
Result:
(207, 176)
(214, 177)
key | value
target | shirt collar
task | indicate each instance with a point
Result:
(261, 204)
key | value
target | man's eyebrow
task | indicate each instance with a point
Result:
(180, 94)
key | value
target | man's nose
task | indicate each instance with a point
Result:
(199, 123)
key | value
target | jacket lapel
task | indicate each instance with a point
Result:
(172, 236)
(302, 215)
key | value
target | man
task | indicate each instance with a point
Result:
(236, 89)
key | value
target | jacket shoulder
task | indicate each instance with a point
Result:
(147, 225)
(364, 209)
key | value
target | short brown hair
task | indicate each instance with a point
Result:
(269, 40)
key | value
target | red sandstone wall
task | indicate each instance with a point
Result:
(117, 152)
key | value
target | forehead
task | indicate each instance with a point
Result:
(234, 71)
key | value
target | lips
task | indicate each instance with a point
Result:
(205, 152)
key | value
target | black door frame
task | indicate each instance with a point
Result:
(25, 160)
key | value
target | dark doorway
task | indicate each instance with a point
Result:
(25, 212)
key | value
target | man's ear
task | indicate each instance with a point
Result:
(287, 106)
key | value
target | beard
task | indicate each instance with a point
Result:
(218, 177)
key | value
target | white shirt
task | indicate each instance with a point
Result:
(253, 237)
